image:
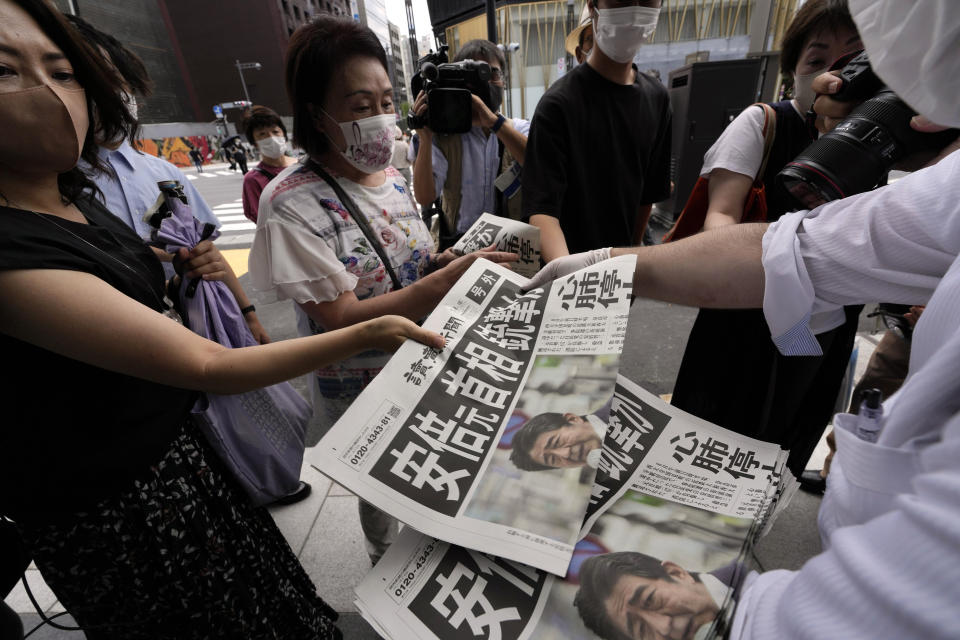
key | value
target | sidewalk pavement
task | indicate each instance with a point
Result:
(324, 530)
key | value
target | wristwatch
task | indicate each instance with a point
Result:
(499, 123)
(247, 310)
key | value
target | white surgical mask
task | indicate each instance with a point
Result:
(272, 147)
(369, 141)
(913, 47)
(620, 32)
(803, 91)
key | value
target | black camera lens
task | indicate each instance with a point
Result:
(855, 156)
(858, 153)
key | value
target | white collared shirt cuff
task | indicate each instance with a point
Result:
(788, 297)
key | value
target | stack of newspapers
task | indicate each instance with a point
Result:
(543, 495)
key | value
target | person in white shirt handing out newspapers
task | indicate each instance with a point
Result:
(898, 243)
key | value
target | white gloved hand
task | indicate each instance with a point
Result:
(565, 266)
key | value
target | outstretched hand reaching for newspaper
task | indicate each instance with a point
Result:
(566, 265)
(387, 333)
(441, 280)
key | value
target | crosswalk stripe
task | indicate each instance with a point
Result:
(224, 173)
(236, 218)
(190, 177)
(207, 175)
(238, 226)
(228, 211)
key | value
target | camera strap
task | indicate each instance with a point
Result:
(359, 218)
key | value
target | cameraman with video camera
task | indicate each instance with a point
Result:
(465, 166)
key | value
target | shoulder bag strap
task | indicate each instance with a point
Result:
(769, 133)
(359, 218)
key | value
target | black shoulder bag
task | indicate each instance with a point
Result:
(359, 218)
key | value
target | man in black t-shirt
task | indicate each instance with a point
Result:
(598, 155)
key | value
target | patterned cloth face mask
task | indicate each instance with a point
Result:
(369, 141)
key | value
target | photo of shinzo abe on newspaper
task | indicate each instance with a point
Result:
(493, 442)
(656, 560)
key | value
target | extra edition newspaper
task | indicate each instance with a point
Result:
(675, 510)
(493, 442)
(507, 235)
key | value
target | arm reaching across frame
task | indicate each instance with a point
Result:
(120, 334)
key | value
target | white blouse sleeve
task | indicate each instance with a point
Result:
(740, 147)
(290, 261)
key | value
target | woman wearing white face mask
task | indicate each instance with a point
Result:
(731, 373)
(339, 233)
(266, 130)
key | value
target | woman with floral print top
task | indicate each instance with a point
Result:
(309, 249)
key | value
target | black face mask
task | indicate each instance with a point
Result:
(496, 97)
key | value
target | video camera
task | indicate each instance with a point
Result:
(448, 87)
(858, 153)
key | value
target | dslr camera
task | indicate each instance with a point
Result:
(448, 87)
(861, 150)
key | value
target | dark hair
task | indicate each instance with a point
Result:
(481, 50)
(102, 87)
(127, 63)
(317, 51)
(598, 576)
(814, 16)
(526, 435)
(260, 118)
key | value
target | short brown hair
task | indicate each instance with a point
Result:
(316, 52)
(814, 16)
(262, 118)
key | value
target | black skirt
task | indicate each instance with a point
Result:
(733, 375)
(182, 554)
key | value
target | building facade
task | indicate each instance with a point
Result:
(191, 48)
(398, 75)
(140, 25)
(373, 13)
(533, 34)
(427, 45)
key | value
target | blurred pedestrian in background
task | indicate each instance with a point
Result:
(197, 157)
(265, 129)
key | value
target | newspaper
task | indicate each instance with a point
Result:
(493, 442)
(508, 235)
(664, 541)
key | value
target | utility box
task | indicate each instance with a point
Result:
(705, 96)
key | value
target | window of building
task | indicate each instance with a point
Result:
(286, 7)
(296, 13)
